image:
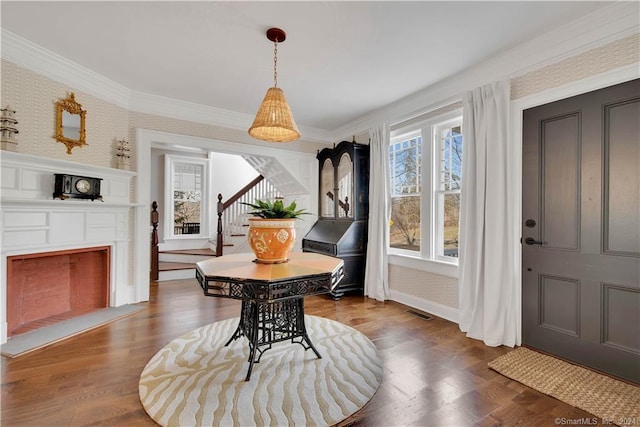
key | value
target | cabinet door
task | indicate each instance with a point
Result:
(327, 203)
(345, 186)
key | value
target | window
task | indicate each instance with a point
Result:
(405, 156)
(426, 168)
(186, 182)
(448, 139)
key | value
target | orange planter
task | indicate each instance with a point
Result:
(271, 240)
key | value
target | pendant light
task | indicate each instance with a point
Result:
(274, 121)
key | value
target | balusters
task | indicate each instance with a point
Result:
(235, 213)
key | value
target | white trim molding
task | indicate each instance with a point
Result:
(190, 111)
(596, 29)
(36, 58)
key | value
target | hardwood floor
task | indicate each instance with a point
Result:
(433, 375)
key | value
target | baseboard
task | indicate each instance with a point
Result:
(439, 310)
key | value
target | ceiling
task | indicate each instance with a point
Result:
(340, 61)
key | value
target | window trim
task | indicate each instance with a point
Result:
(427, 257)
(170, 161)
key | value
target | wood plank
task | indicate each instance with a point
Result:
(433, 374)
(201, 251)
(169, 266)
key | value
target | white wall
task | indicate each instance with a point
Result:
(420, 283)
(229, 173)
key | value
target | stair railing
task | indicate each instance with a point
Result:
(154, 242)
(235, 213)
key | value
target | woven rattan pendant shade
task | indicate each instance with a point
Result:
(274, 121)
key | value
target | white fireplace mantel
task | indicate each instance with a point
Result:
(32, 221)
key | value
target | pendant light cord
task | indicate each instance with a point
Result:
(275, 63)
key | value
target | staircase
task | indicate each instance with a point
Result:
(181, 264)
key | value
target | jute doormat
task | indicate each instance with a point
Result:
(604, 397)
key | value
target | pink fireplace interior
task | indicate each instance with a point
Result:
(50, 287)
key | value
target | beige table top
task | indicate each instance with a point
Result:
(241, 267)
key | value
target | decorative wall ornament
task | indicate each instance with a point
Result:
(123, 154)
(70, 123)
(8, 129)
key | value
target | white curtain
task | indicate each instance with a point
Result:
(488, 276)
(376, 277)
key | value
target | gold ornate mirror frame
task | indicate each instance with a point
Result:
(70, 136)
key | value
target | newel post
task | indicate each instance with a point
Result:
(219, 235)
(154, 241)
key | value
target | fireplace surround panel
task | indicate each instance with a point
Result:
(78, 232)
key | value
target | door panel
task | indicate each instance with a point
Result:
(560, 304)
(617, 301)
(621, 194)
(560, 145)
(581, 272)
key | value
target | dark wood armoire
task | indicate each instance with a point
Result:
(343, 202)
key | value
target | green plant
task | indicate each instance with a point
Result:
(275, 209)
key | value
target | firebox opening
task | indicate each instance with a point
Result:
(47, 288)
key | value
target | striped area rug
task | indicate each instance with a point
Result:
(196, 381)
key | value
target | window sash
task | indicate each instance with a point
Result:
(448, 140)
(440, 175)
(406, 235)
(399, 147)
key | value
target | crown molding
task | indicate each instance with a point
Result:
(190, 111)
(184, 110)
(316, 135)
(589, 32)
(596, 29)
(40, 60)
(36, 58)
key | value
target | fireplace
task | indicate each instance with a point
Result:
(62, 258)
(49, 287)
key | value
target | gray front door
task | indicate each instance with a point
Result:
(581, 229)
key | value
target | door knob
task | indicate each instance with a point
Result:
(532, 241)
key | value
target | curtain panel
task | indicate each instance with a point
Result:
(487, 275)
(376, 277)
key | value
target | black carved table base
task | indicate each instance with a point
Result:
(267, 323)
(272, 296)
